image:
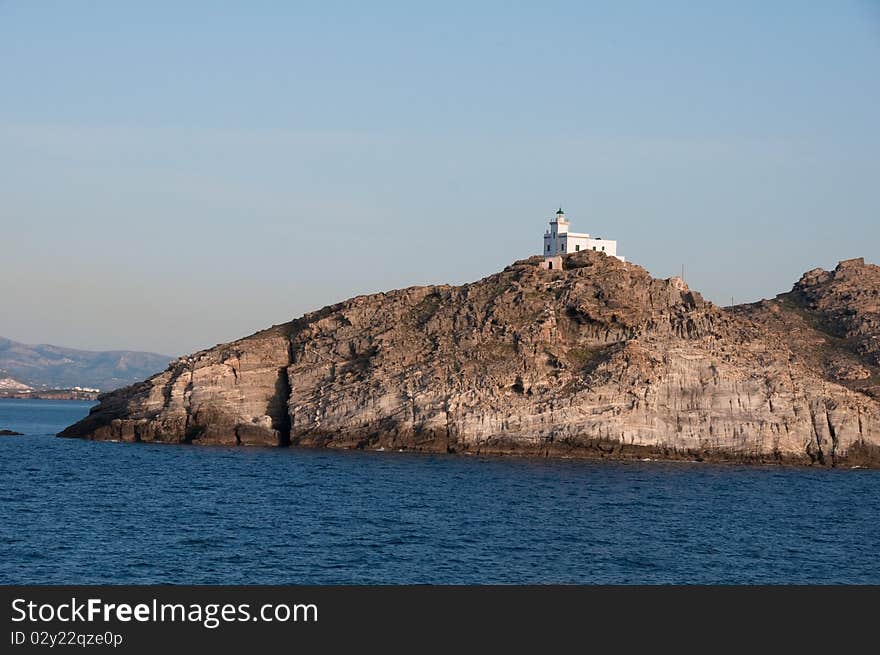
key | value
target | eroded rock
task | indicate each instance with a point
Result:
(598, 359)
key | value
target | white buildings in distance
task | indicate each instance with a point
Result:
(559, 241)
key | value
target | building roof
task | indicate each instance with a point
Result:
(560, 211)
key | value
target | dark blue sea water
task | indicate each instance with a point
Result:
(81, 512)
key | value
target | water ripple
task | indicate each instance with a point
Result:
(87, 512)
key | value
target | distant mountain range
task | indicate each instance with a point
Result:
(53, 367)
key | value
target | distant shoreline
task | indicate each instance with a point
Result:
(51, 394)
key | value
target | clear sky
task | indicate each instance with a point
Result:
(178, 174)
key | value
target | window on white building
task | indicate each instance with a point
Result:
(577, 248)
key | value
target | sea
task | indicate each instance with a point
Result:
(82, 512)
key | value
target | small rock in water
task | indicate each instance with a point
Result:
(10, 433)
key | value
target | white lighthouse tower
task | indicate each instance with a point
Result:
(558, 241)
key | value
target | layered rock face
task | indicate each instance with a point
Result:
(597, 359)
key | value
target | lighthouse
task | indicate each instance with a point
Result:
(559, 241)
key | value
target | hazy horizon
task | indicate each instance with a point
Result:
(172, 355)
(180, 176)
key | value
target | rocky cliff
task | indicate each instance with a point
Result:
(598, 359)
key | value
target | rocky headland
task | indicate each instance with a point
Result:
(596, 360)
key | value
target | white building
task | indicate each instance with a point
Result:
(559, 241)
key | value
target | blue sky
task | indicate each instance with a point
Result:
(177, 176)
